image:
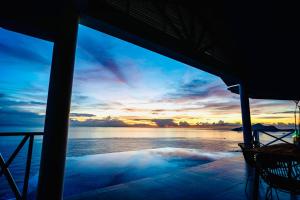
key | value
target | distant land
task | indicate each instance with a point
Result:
(261, 127)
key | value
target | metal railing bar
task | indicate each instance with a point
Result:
(280, 138)
(20, 133)
(28, 165)
(261, 144)
(5, 165)
(275, 137)
(15, 153)
(10, 179)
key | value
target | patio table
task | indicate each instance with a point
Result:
(282, 149)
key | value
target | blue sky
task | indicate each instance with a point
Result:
(118, 84)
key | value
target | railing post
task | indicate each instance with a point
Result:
(28, 165)
(15, 153)
(51, 175)
(10, 179)
(4, 165)
(246, 117)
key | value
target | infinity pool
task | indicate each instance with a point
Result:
(91, 172)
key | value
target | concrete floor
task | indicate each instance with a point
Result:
(219, 180)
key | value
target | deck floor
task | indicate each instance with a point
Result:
(223, 179)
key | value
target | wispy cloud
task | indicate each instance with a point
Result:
(100, 55)
(285, 112)
(17, 50)
(270, 117)
(198, 89)
(10, 102)
(230, 106)
(82, 115)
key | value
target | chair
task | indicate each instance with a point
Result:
(248, 154)
(279, 172)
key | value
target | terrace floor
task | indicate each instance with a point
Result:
(221, 180)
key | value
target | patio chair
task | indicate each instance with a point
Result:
(279, 172)
(248, 154)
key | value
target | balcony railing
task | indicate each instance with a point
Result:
(4, 170)
(256, 139)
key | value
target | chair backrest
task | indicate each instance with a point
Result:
(249, 155)
(281, 172)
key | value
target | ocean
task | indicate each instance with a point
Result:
(102, 157)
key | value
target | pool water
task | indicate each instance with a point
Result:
(92, 172)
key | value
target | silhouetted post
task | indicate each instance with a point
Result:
(51, 177)
(256, 185)
(246, 117)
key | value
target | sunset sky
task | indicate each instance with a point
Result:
(119, 84)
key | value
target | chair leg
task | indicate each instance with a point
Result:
(246, 184)
(269, 193)
(277, 194)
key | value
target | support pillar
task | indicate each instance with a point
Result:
(246, 117)
(52, 166)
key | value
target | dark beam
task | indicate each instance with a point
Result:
(102, 17)
(162, 11)
(183, 23)
(50, 185)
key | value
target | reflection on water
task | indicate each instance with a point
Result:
(97, 171)
(99, 132)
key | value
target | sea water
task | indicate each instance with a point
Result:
(102, 157)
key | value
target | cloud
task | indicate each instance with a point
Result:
(99, 54)
(194, 83)
(7, 102)
(12, 112)
(223, 106)
(183, 109)
(115, 122)
(81, 115)
(78, 97)
(258, 103)
(184, 124)
(285, 112)
(271, 117)
(198, 89)
(22, 52)
(164, 122)
(160, 110)
(105, 122)
(10, 117)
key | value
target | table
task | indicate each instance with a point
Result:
(282, 149)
